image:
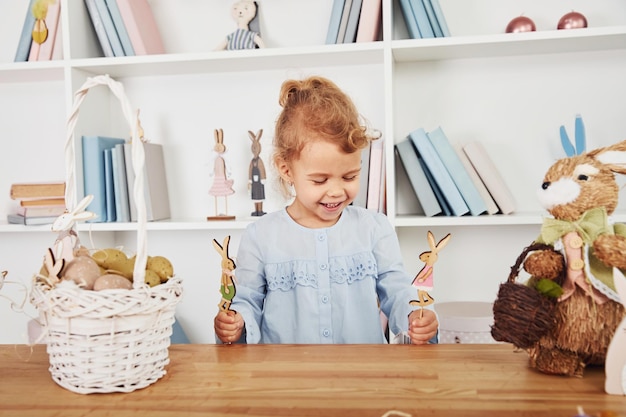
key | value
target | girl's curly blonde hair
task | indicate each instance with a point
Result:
(315, 108)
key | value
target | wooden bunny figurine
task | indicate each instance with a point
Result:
(580, 192)
(247, 35)
(256, 174)
(424, 280)
(67, 240)
(222, 185)
(227, 283)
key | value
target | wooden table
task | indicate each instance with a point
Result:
(317, 380)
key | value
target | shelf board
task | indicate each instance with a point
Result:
(233, 61)
(510, 44)
(43, 71)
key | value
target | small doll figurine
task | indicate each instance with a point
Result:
(227, 283)
(222, 185)
(247, 35)
(423, 281)
(256, 174)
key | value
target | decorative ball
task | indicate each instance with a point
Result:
(572, 20)
(521, 24)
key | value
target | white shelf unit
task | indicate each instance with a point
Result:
(511, 91)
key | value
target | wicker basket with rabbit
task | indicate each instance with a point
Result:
(572, 265)
(106, 318)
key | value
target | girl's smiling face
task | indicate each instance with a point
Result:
(325, 180)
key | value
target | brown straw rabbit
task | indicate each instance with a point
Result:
(580, 192)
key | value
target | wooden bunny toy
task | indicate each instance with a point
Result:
(247, 35)
(256, 174)
(424, 280)
(222, 184)
(227, 283)
(580, 192)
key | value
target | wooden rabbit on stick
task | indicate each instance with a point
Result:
(227, 282)
(423, 281)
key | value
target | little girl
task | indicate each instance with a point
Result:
(320, 270)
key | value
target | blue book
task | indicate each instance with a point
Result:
(409, 19)
(94, 174)
(432, 18)
(457, 171)
(439, 172)
(423, 24)
(421, 186)
(120, 184)
(441, 19)
(335, 21)
(118, 22)
(23, 46)
(109, 28)
(445, 207)
(109, 192)
(98, 26)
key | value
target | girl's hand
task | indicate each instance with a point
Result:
(421, 330)
(228, 326)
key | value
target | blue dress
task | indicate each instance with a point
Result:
(301, 285)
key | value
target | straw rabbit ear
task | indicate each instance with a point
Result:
(82, 205)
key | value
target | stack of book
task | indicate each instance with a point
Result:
(354, 21)
(450, 179)
(372, 186)
(109, 176)
(424, 19)
(37, 202)
(125, 27)
(40, 39)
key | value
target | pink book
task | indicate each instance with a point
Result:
(52, 22)
(141, 27)
(369, 21)
(376, 175)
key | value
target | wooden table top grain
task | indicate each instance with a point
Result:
(318, 381)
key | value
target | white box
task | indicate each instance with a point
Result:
(465, 322)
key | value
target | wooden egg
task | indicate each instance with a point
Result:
(112, 282)
(83, 270)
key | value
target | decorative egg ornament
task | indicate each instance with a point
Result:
(521, 24)
(572, 20)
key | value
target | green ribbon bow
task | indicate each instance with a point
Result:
(591, 224)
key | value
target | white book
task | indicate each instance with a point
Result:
(492, 207)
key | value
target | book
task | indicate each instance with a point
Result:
(334, 22)
(94, 172)
(141, 26)
(491, 177)
(457, 171)
(432, 18)
(361, 198)
(57, 46)
(34, 202)
(120, 184)
(26, 37)
(409, 19)
(98, 26)
(53, 16)
(35, 190)
(370, 21)
(30, 221)
(155, 182)
(439, 172)
(118, 22)
(343, 24)
(109, 28)
(375, 177)
(419, 182)
(421, 17)
(441, 19)
(353, 21)
(492, 207)
(445, 207)
(109, 193)
(40, 211)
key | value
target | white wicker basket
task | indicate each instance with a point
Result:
(113, 340)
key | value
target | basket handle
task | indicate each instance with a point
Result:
(520, 259)
(138, 162)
